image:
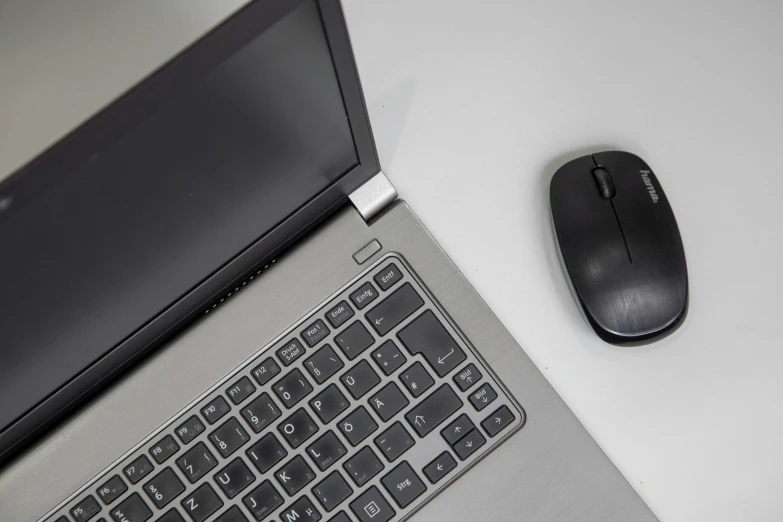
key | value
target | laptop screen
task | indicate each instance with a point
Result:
(200, 175)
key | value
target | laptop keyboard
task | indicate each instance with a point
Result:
(363, 411)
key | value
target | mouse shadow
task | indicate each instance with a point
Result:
(560, 280)
(388, 114)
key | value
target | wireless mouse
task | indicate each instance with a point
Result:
(620, 245)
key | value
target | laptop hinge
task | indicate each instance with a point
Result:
(370, 198)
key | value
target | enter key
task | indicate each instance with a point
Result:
(427, 336)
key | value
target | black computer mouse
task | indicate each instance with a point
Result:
(620, 244)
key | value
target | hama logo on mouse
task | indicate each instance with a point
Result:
(646, 178)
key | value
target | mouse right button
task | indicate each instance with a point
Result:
(659, 277)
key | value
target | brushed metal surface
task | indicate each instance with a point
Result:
(550, 470)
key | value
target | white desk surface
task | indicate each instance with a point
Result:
(474, 105)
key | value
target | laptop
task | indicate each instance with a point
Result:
(218, 309)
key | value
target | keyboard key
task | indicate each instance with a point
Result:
(440, 467)
(229, 437)
(467, 377)
(196, 462)
(164, 487)
(388, 401)
(388, 357)
(354, 340)
(360, 379)
(432, 411)
(394, 441)
(339, 314)
(132, 509)
(332, 490)
(234, 478)
(190, 429)
(298, 428)
(495, 423)
(295, 475)
(292, 388)
(164, 449)
(329, 404)
(482, 396)
(357, 426)
(171, 516)
(241, 390)
(323, 364)
(365, 295)
(266, 371)
(138, 469)
(234, 514)
(403, 484)
(302, 510)
(326, 450)
(468, 445)
(457, 429)
(340, 517)
(370, 506)
(416, 379)
(263, 500)
(394, 309)
(267, 452)
(86, 509)
(202, 503)
(261, 412)
(363, 466)
(111, 489)
(314, 333)
(386, 278)
(427, 336)
(61, 519)
(290, 352)
(215, 409)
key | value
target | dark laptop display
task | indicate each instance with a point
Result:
(142, 206)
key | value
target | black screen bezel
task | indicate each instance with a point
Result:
(241, 27)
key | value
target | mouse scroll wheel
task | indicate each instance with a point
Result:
(605, 184)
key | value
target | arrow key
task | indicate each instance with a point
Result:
(468, 445)
(495, 423)
(440, 467)
(457, 429)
